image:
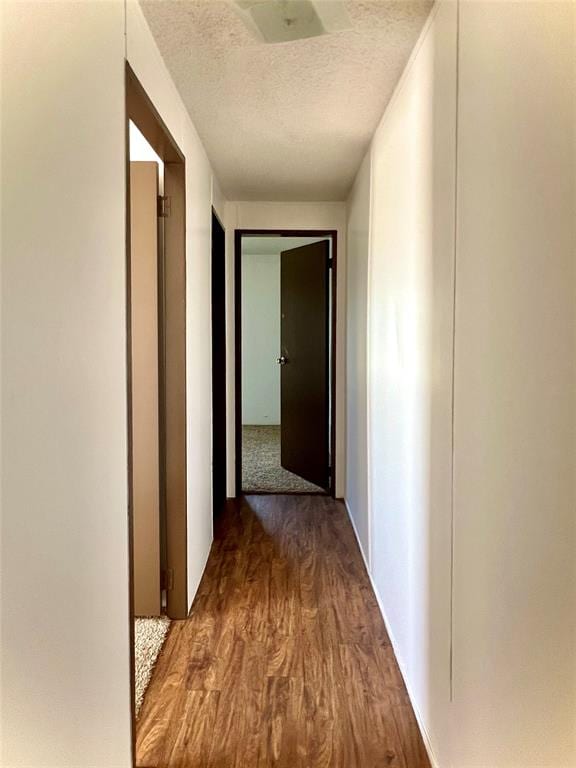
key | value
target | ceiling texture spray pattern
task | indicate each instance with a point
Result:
(288, 121)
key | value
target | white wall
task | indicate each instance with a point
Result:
(410, 368)
(473, 203)
(65, 653)
(358, 227)
(260, 338)
(65, 642)
(515, 594)
(267, 215)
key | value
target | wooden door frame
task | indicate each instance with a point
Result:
(219, 375)
(238, 235)
(172, 281)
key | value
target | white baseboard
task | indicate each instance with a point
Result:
(424, 733)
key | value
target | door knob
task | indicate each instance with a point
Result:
(282, 360)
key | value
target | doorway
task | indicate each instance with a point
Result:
(285, 288)
(218, 366)
(156, 391)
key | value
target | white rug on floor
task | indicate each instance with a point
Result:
(149, 636)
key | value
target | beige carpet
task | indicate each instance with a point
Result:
(261, 468)
(149, 636)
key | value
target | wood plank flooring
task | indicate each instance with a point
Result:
(284, 660)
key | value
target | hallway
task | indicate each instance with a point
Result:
(285, 659)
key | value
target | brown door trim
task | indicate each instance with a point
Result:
(172, 341)
(218, 312)
(141, 110)
(173, 406)
(238, 235)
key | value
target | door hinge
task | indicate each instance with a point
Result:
(167, 579)
(164, 206)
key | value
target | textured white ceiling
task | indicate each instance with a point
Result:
(290, 121)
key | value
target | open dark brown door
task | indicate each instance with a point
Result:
(305, 383)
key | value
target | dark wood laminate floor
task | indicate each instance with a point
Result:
(284, 660)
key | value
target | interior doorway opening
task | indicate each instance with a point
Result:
(285, 289)
(218, 366)
(156, 386)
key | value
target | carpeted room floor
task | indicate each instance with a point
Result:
(261, 468)
(149, 636)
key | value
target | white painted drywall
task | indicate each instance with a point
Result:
(358, 229)
(65, 645)
(260, 338)
(410, 368)
(515, 389)
(267, 215)
(508, 247)
(65, 692)
(149, 67)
